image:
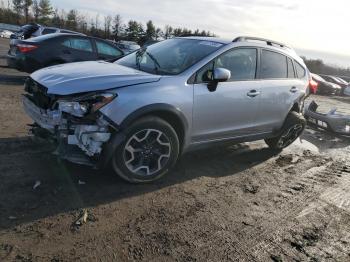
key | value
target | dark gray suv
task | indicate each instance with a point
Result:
(140, 113)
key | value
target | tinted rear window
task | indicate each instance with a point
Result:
(48, 31)
(273, 65)
(300, 70)
(291, 73)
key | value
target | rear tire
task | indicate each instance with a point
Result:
(149, 151)
(292, 128)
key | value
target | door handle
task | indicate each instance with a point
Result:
(293, 89)
(253, 93)
(66, 52)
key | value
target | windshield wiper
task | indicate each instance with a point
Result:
(157, 65)
(139, 55)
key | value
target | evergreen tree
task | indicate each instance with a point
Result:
(150, 30)
(45, 10)
(72, 22)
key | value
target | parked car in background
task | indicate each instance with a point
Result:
(140, 113)
(337, 81)
(342, 80)
(6, 34)
(324, 87)
(347, 91)
(52, 49)
(150, 42)
(127, 46)
(34, 30)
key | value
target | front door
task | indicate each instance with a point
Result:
(230, 110)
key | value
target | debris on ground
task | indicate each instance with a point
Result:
(80, 182)
(36, 185)
(82, 219)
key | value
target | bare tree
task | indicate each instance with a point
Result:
(26, 5)
(36, 10)
(17, 8)
(107, 25)
(117, 27)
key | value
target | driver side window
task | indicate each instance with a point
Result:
(242, 62)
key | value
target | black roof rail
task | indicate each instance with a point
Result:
(268, 41)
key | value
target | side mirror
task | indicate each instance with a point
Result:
(219, 75)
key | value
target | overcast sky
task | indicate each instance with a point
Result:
(304, 24)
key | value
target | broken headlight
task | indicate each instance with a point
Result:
(86, 104)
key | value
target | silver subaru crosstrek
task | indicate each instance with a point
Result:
(140, 113)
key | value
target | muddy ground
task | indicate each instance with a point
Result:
(234, 203)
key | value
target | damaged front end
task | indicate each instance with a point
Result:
(331, 121)
(74, 123)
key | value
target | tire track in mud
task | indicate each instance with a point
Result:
(277, 231)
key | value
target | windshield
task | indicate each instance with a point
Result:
(170, 57)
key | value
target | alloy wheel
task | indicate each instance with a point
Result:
(147, 152)
(290, 135)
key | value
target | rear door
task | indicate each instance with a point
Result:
(279, 89)
(106, 51)
(75, 49)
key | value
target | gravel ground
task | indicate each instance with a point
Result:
(235, 203)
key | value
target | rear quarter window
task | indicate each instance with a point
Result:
(301, 72)
(48, 31)
(291, 73)
(273, 65)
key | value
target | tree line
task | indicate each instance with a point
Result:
(317, 66)
(109, 27)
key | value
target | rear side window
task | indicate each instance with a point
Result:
(241, 63)
(48, 31)
(291, 73)
(78, 44)
(300, 70)
(273, 65)
(106, 49)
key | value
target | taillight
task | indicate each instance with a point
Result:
(23, 48)
(313, 86)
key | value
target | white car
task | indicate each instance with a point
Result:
(6, 34)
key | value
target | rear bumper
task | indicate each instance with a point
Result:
(331, 121)
(22, 63)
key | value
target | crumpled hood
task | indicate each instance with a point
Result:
(89, 76)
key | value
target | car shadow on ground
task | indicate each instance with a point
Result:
(66, 187)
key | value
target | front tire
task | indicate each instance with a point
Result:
(292, 128)
(149, 151)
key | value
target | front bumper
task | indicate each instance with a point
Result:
(332, 121)
(78, 140)
(47, 119)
